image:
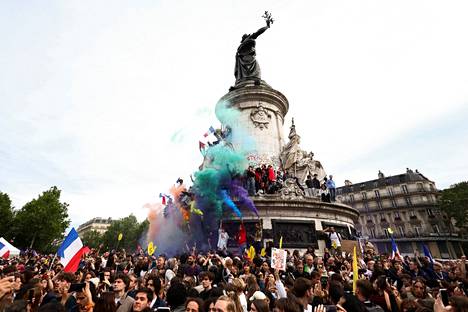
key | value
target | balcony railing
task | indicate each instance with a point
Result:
(415, 235)
(384, 191)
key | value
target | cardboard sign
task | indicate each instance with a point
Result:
(278, 259)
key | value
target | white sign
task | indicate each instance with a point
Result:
(278, 259)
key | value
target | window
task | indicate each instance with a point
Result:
(443, 249)
(364, 195)
(430, 213)
(372, 232)
(379, 204)
(351, 198)
(401, 230)
(382, 217)
(408, 201)
(404, 188)
(435, 228)
(417, 231)
(390, 191)
(377, 194)
(366, 206)
(397, 215)
(412, 214)
(420, 187)
(431, 186)
(394, 204)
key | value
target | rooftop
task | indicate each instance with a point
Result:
(96, 220)
(382, 181)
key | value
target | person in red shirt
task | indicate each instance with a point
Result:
(242, 238)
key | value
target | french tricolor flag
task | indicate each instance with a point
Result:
(4, 251)
(70, 251)
(395, 251)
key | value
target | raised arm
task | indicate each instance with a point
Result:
(258, 32)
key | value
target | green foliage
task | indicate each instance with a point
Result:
(41, 221)
(6, 216)
(131, 229)
(454, 202)
(92, 239)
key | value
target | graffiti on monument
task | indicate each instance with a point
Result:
(255, 160)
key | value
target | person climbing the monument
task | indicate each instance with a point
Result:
(223, 237)
(335, 240)
(247, 67)
(250, 181)
(242, 238)
(258, 235)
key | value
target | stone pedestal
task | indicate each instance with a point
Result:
(290, 213)
(262, 111)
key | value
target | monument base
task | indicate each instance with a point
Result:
(299, 220)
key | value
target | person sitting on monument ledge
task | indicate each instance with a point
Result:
(324, 192)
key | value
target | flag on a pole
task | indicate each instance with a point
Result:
(151, 249)
(355, 270)
(251, 253)
(395, 251)
(163, 198)
(427, 253)
(70, 251)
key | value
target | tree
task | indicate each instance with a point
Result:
(41, 221)
(6, 215)
(454, 202)
(92, 239)
(131, 231)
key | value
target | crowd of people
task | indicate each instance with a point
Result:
(266, 180)
(219, 281)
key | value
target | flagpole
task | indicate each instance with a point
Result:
(52, 262)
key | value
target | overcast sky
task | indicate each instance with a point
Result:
(108, 99)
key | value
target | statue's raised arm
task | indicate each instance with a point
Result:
(259, 32)
(247, 67)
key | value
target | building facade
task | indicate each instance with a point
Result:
(95, 224)
(406, 204)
